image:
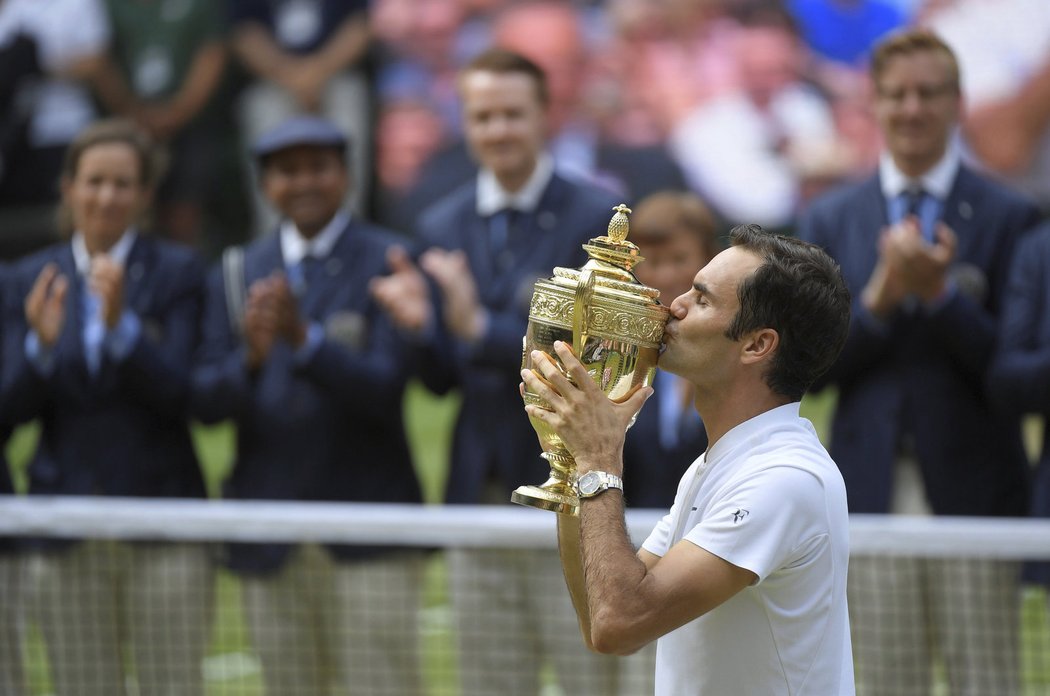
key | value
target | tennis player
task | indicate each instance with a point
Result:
(743, 583)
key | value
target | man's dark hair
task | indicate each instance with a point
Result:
(799, 293)
(502, 61)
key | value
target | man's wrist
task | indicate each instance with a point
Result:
(593, 483)
(609, 464)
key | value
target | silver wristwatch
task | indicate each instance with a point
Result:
(594, 482)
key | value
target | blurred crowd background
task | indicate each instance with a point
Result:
(753, 107)
(757, 105)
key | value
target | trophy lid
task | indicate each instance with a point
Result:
(611, 260)
(613, 247)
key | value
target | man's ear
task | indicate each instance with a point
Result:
(760, 345)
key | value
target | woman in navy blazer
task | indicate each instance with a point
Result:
(99, 331)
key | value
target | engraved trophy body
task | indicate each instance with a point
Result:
(615, 326)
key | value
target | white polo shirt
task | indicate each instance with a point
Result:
(766, 497)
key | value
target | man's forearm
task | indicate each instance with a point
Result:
(572, 567)
(612, 572)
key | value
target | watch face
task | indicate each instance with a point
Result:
(589, 483)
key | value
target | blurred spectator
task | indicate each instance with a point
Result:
(1004, 60)
(99, 332)
(552, 34)
(753, 153)
(663, 60)
(306, 57)
(424, 43)
(677, 236)
(489, 241)
(1020, 374)
(166, 61)
(297, 353)
(50, 51)
(12, 679)
(925, 246)
(408, 132)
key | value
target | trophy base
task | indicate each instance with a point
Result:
(544, 499)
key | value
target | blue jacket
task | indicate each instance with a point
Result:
(327, 429)
(123, 432)
(493, 438)
(922, 375)
(1020, 375)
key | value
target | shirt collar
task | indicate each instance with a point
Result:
(752, 428)
(295, 247)
(492, 197)
(118, 252)
(937, 181)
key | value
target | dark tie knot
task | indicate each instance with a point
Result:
(913, 198)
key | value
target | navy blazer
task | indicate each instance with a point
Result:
(6, 484)
(329, 429)
(922, 375)
(651, 471)
(1020, 375)
(493, 438)
(123, 432)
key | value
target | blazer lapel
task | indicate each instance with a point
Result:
(140, 265)
(476, 244)
(959, 210)
(334, 271)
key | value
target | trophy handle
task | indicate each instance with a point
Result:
(584, 295)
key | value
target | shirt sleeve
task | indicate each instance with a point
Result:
(763, 521)
(42, 359)
(658, 540)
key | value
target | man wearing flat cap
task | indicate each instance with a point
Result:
(296, 352)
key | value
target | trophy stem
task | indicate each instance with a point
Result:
(557, 493)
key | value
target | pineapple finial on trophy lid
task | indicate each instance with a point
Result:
(619, 225)
(613, 247)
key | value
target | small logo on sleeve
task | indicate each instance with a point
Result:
(740, 514)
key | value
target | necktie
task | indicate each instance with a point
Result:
(501, 226)
(300, 274)
(913, 198)
(914, 204)
(94, 331)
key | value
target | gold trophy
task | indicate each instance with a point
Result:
(614, 324)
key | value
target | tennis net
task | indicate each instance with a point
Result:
(127, 596)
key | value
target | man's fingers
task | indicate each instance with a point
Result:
(547, 367)
(573, 367)
(540, 387)
(445, 266)
(59, 289)
(398, 261)
(457, 261)
(40, 286)
(946, 237)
